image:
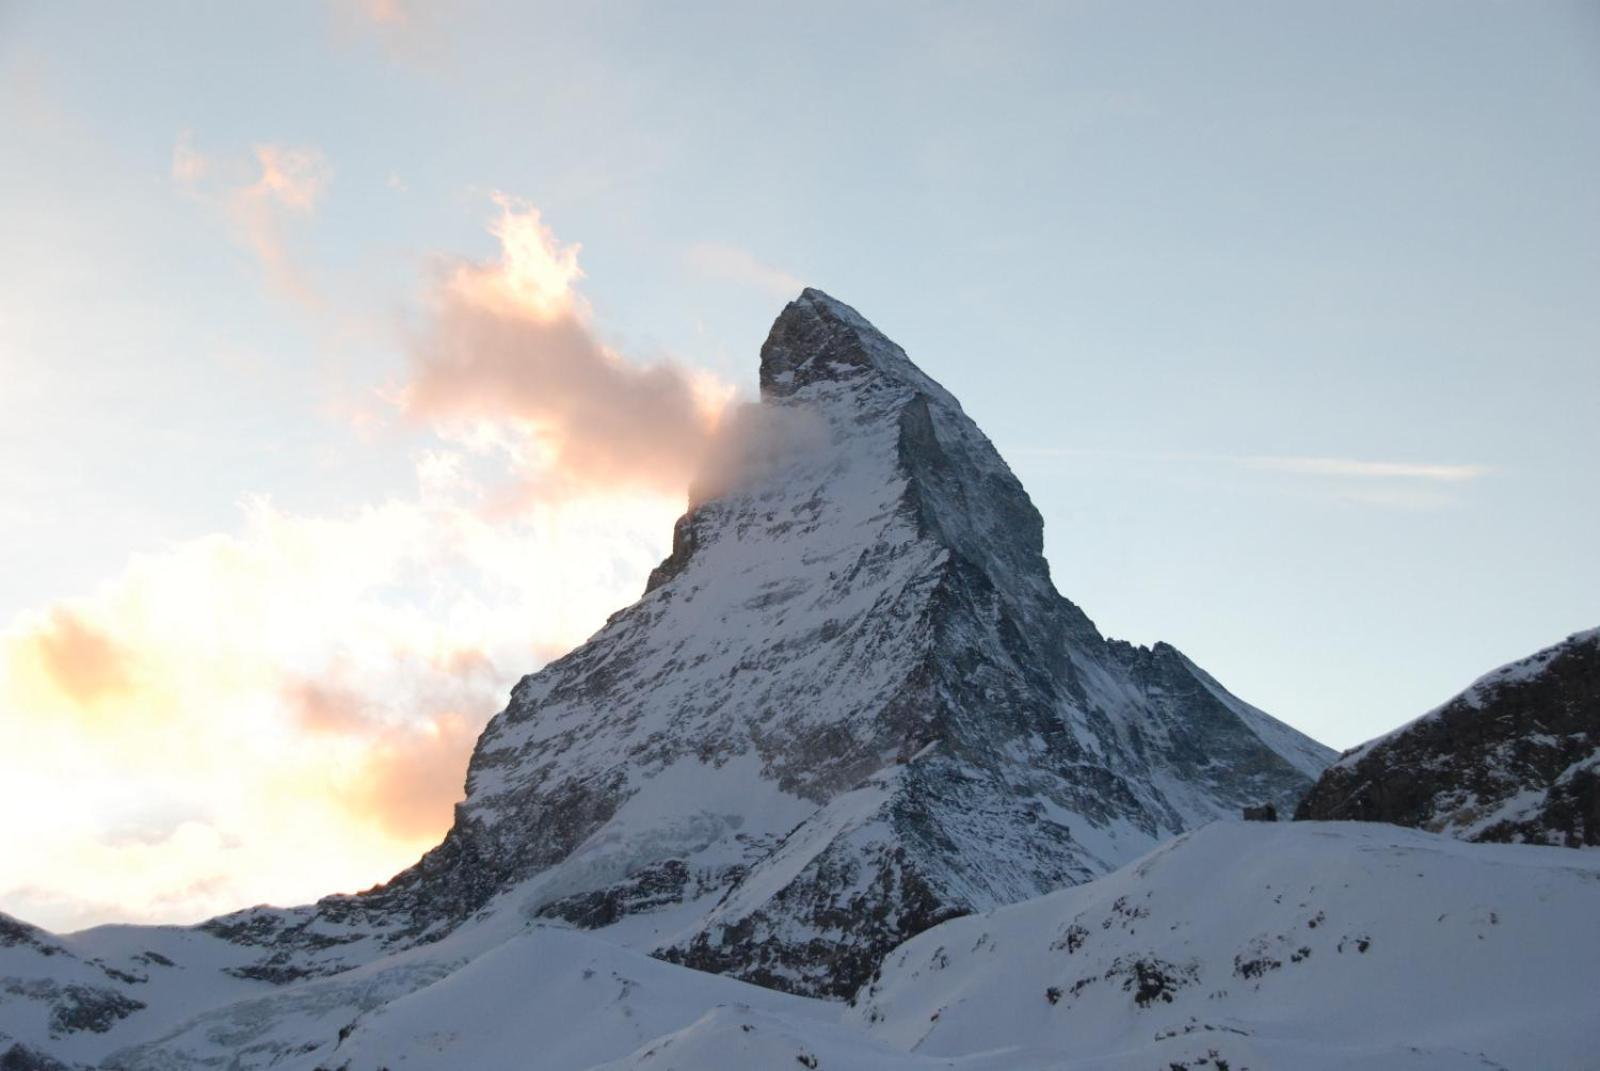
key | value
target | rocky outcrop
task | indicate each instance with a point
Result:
(1515, 757)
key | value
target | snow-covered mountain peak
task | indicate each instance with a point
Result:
(850, 703)
(818, 338)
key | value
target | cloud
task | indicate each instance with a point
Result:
(259, 198)
(752, 443)
(411, 780)
(730, 263)
(410, 33)
(87, 666)
(1365, 470)
(510, 359)
(302, 694)
(412, 766)
(322, 706)
(299, 695)
(392, 13)
(1387, 484)
(189, 165)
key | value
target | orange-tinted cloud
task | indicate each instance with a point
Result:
(301, 693)
(325, 707)
(411, 778)
(408, 770)
(511, 344)
(258, 199)
(85, 664)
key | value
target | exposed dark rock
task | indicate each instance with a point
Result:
(1516, 757)
(15, 932)
(80, 1007)
(20, 1057)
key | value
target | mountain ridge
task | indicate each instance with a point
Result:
(1515, 756)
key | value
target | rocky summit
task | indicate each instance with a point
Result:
(848, 706)
(1515, 757)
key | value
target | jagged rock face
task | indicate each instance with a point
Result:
(849, 705)
(1516, 757)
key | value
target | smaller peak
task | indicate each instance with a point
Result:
(818, 338)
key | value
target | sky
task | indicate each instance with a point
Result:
(355, 356)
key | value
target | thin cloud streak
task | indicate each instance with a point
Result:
(1364, 470)
(1338, 467)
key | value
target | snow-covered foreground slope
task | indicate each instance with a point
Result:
(1514, 757)
(1302, 946)
(552, 999)
(1305, 945)
(547, 998)
(77, 997)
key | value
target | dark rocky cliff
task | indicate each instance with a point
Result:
(1516, 757)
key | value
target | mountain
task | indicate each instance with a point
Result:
(849, 705)
(1515, 757)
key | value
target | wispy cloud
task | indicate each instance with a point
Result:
(729, 263)
(258, 198)
(189, 165)
(1354, 468)
(385, 12)
(1396, 484)
(410, 32)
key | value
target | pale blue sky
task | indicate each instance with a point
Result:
(1143, 243)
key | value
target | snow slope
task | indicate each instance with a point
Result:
(1310, 946)
(76, 997)
(1304, 945)
(554, 999)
